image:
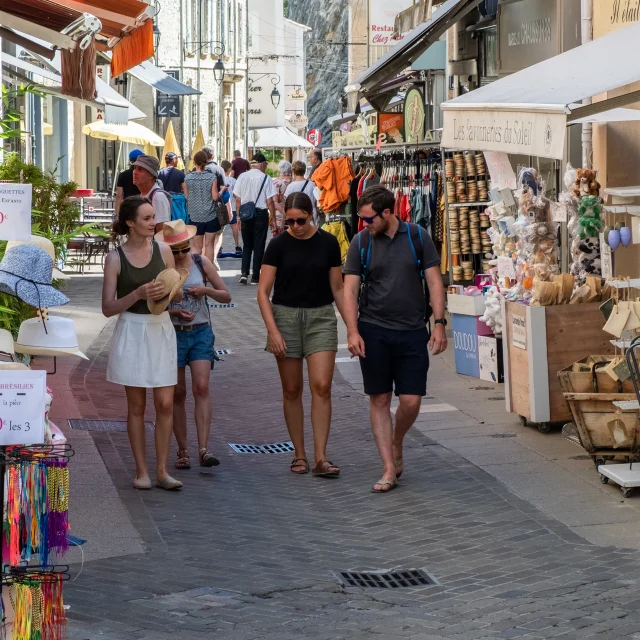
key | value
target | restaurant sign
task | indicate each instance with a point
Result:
(524, 132)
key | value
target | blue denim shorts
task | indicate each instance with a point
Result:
(196, 344)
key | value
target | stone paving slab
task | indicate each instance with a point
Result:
(249, 551)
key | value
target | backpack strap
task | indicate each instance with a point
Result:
(197, 258)
(261, 188)
(364, 251)
(417, 246)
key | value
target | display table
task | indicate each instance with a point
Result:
(539, 342)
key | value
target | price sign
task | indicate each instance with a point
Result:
(15, 211)
(502, 174)
(22, 404)
(506, 268)
(314, 137)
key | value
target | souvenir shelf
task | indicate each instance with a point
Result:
(466, 197)
(35, 484)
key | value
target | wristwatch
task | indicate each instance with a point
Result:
(442, 321)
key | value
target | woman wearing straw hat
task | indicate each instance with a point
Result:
(194, 336)
(139, 282)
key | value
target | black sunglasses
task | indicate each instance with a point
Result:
(300, 222)
(370, 219)
(180, 251)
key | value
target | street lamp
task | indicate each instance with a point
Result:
(218, 71)
(275, 98)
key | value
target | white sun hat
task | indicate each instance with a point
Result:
(6, 342)
(53, 337)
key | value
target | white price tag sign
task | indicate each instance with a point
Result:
(519, 332)
(15, 211)
(606, 261)
(22, 404)
(506, 268)
(502, 174)
(558, 212)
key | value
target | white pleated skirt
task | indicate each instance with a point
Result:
(143, 351)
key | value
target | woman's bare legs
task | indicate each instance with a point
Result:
(163, 400)
(136, 404)
(290, 370)
(321, 366)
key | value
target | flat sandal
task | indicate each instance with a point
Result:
(296, 463)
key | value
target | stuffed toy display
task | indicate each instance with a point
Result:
(585, 222)
(493, 310)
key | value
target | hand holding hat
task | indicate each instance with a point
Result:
(172, 281)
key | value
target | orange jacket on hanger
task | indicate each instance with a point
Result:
(333, 177)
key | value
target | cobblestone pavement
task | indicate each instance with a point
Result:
(249, 551)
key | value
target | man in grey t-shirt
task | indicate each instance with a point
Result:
(386, 320)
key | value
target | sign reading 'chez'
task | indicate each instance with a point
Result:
(536, 134)
(611, 15)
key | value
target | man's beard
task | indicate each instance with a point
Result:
(384, 227)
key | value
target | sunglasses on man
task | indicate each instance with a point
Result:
(369, 219)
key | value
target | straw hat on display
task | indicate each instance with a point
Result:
(26, 272)
(46, 245)
(176, 232)
(53, 337)
(6, 343)
(172, 281)
(13, 366)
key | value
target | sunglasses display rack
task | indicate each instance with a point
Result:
(467, 197)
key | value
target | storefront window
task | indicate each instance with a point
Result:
(489, 53)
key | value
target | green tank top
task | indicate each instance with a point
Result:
(130, 277)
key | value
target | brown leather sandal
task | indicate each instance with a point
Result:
(304, 464)
(326, 469)
(183, 461)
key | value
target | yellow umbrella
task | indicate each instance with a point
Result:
(131, 132)
(198, 143)
(171, 145)
(150, 150)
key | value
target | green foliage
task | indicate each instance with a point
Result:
(10, 119)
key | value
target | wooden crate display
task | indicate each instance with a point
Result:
(539, 342)
(593, 410)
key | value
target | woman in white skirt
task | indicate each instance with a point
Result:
(143, 353)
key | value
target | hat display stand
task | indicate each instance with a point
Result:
(34, 479)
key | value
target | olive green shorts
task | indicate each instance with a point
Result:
(306, 331)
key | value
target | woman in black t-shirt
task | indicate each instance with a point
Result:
(305, 265)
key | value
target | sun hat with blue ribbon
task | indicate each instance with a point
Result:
(26, 272)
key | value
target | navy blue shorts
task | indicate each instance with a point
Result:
(213, 226)
(395, 360)
(196, 344)
(234, 220)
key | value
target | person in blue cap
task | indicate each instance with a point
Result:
(125, 186)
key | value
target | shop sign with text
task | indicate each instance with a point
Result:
(391, 125)
(611, 15)
(382, 16)
(414, 113)
(535, 134)
(15, 211)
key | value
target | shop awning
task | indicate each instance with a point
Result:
(132, 132)
(415, 43)
(155, 77)
(280, 138)
(118, 110)
(614, 115)
(527, 112)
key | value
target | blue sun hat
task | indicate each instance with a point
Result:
(26, 272)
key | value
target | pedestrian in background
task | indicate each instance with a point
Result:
(387, 267)
(305, 265)
(255, 186)
(230, 183)
(201, 191)
(281, 183)
(171, 177)
(145, 177)
(195, 339)
(142, 353)
(125, 187)
(315, 160)
(239, 164)
(302, 185)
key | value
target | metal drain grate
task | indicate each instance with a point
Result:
(223, 352)
(278, 447)
(503, 435)
(219, 305)
(103, 425)
(390, 580)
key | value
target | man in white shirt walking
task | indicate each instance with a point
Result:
(145, 177)
(300, 183)
(255, 186)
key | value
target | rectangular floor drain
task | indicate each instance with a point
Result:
(223, 352)
(389, 580)
(219, 305)
(278, 447)
(103, 425)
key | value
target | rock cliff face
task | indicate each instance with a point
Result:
(326, 64)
